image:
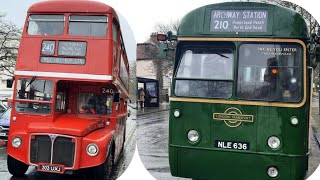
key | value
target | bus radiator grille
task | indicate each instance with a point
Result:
(40, 149)
(63, 150)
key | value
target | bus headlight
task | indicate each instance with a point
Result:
(16, 142)
(274, 142)
(193, 136)
(92, 149)
(176, 113)
(272, 172)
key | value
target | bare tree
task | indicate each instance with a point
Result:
(310, 20)
(162, 66)
(10, 36)
(164, 28)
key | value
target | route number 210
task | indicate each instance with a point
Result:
(221, 24)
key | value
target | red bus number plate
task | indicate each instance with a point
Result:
(51, 168)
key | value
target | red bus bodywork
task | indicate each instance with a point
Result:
(101, 70)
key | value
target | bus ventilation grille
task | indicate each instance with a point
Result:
(63, 150)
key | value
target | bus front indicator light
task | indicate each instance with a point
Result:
(92, 150)
(273, 172)
(176, 113)
(16, 142)
(294, 121)
(193, 136)
(274, 142)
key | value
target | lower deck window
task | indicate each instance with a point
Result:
(89, 103)
(198, 88)
(33, 108)
(206, 70)
(270, 72)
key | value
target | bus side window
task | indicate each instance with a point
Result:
(60, 102)
(115, 31)
(109, 104)
(61, 97)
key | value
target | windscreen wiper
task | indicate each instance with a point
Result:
(222, 55)
(33, 78)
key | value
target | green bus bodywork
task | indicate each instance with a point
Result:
(260, 119)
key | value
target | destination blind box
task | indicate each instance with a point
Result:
(222, 20)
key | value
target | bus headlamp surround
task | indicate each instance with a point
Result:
(193, 136)
(16, 142)
(274, 142)
(92, 149)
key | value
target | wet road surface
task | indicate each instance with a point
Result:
(152, 141)
(33, 174)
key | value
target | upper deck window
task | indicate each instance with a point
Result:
(206, 72)
(52, 25)
(88, 25)
(270, 72)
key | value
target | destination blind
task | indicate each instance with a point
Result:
(239, 21)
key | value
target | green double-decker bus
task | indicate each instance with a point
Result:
(240, 99)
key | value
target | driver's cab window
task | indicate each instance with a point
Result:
(91, 103)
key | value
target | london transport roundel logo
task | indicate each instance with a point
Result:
(233, 117)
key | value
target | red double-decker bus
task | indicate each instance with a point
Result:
(70, 90)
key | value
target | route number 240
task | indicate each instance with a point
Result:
(107, 91)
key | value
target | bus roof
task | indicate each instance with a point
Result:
(209, 21)
(72, 6)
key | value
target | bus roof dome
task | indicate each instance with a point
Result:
(243, 19)
(73, 6)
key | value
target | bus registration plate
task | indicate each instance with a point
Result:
(231, 145)
(51, 168)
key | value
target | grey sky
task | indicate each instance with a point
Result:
(16, 10)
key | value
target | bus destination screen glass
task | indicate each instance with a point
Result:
(72, 49)
(68, 48)
(239, 21)
(205, 72)
(270, 72)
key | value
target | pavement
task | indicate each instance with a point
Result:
(150, 110)
(131, 123)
